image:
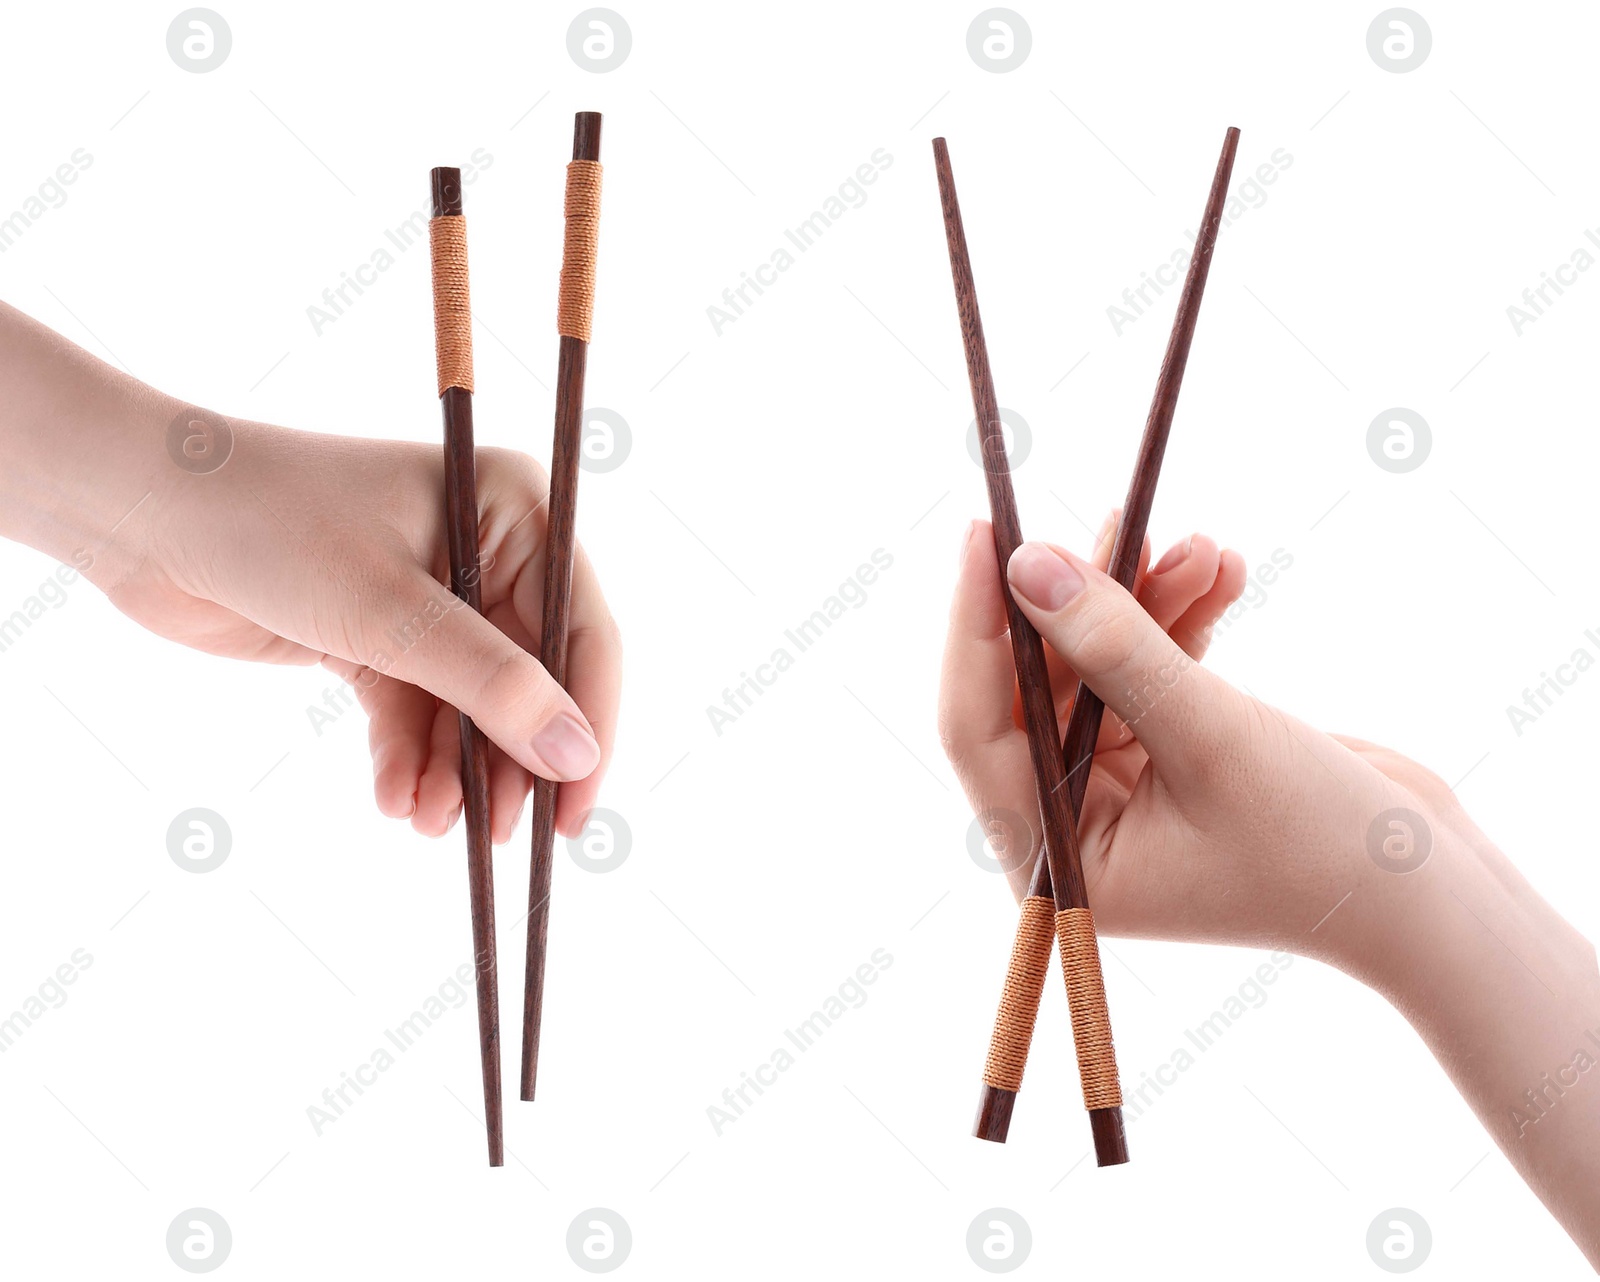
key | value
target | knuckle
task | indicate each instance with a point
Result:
(521, 474)
(951, 737)
(508, 681)
(401, 629)
(609, 633)
(966, 744)
(603, 639)
(1107, 640)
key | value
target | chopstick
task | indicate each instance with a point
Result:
(1030, 959)
(1080, 958)
(452, 321)
(573, 324)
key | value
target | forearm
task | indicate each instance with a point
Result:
(83, 444)
(1506, 995)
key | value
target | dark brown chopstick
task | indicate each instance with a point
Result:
(577, 297)
(1083, 725)
(1091, 1029)
(452, 315)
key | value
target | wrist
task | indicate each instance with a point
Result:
(1466, 910)
(84, 449)
(1506, 995)
(1473, 957)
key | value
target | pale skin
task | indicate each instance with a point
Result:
(1213, 818)
(302, 548)
(1216, 818)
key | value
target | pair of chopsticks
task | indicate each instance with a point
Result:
(452, 312)
(1057, 903)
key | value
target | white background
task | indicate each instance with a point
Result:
(770, 861)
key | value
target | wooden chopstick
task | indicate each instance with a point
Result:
(1083, 725)
(577, 296)
(452, 311)
(1091, 1030)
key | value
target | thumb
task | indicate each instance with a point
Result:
(1183, 715)
(455, 653)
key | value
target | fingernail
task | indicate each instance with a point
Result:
(966, 542)
(1108, 529)
(1042, 577)
(1175, 556)
(567, 748)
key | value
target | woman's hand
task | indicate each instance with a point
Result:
(288, 547)
(1208, 815)
(306, 548)
(980, 720)
(1212, 816)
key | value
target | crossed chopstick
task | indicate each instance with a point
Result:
(1057, 904)
(452, 313)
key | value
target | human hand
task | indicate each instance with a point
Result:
(304, 548)
(289, 547)
(1209, 815)
(980, 721)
